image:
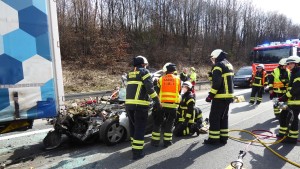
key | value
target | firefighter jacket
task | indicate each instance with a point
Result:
(193, 76)
(279, 80)
(186, 109)
(139, 88)
(222, 80)
(293, 93)
(184, 77)
(169, 90)
(259, 78)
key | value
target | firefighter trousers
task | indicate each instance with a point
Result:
(163, 122)
(218, 119)
(256, 90)
(285, 119)
(137, 123)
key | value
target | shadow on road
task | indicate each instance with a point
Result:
(247, 107)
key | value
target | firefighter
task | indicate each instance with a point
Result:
(183, 75)
(189, 118)
(169, 88)
(258, 82)
(293, 100)
(193, 78)
(139, 88)
(221, 95)
(278, 83)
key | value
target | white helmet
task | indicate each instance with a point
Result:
(145, 61)
(293, 59)
(188, 84)
(282, 61)
(214, 54)
(260, 66)
(165, 67)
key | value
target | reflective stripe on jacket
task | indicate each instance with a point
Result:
(169, 86)
(139, 88)
(222, 80)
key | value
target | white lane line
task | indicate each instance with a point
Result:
(24, 134)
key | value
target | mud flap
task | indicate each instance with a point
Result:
(52, 140)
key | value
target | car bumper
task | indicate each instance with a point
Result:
(241, 83)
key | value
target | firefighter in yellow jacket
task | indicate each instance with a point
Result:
(169, 95)
(278, 83)
(221, 95)
(139, 88)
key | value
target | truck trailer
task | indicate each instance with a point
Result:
(31, 83)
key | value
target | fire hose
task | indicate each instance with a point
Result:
(238, 164)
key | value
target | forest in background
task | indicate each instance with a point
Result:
(107, 34)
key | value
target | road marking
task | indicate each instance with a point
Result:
(24, 134)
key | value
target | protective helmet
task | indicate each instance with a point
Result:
(216, 53)
(193, 69)
(293, 59)
(171, 67)
(139, 60)
(187, 84)
(282, 61)
(165, 67)
(260, 66)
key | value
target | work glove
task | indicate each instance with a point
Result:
(272, 95)
(157, 105)
(209, 98)
(283, 98)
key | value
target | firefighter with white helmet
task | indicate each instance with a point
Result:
(258, 82)
(278, 83)
(292, 97)
(189, 117)
(221, 95)
(138, 92)
(169, 95)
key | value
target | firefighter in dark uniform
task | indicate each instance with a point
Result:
(189, 118)
(139, 88)
(258, 82)
(169, 88)
(221, 95)
(183, 75)
(293, 100)
(278, 83)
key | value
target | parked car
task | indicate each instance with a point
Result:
(243, 76)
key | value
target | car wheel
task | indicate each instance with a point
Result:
(111, 132)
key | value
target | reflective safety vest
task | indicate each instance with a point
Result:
(193, 77)
(279, 85)
(169, 86)
(259, 79)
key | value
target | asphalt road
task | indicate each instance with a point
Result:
(19, 150)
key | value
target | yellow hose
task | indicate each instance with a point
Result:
(257, 140)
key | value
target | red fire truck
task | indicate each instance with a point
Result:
(269, 54)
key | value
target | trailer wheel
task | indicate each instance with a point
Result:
(112, 133)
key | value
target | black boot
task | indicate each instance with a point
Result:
(223, 141)
(211, 141)
(251, 102)
(167, 143)
(155, 143)
(257, 103)
(289, 140)
(137, 154)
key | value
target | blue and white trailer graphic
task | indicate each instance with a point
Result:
(30, 63)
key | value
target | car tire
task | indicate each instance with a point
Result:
(111, 132)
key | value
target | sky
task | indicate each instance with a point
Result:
(291, 8)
